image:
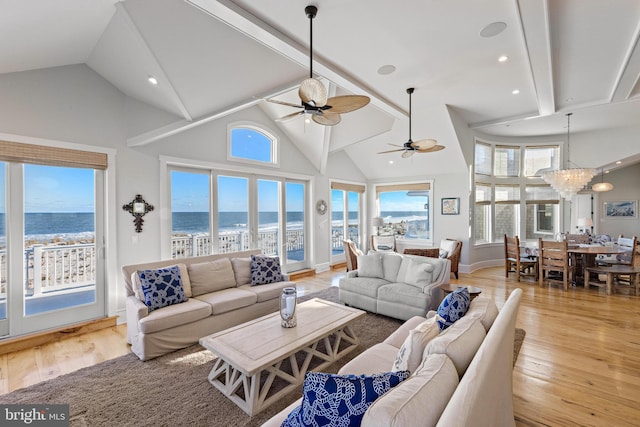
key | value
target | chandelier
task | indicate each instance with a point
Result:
(602, 186)
(568, 182)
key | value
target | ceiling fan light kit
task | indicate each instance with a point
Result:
(411, 147)
(313, 94)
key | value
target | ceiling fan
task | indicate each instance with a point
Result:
(410, 147)
(313, 95)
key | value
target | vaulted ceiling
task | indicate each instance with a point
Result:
(216, 57)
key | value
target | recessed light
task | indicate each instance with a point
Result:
(390, 162)
(307, 120)
(503, 58)
(607, 171)
(493, 29)
(386, 69)
(515, 91)
(152, 80)
(619, 162)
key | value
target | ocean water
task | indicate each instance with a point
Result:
(39, 226)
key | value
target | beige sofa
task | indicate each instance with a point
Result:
(220, 297)
(464, 379)
(395, 285)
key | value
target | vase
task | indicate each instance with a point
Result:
(288, 300)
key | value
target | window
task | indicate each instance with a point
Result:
(499, 186)
(405, 210)
(190, 223)
(345, 215)
(248, 143)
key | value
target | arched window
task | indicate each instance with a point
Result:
(248, 143)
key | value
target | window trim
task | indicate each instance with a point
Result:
(260, 128)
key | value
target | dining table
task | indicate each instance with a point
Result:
(590, 253)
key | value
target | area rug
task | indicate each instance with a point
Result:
(171, 390)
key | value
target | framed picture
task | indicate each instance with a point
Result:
(621, 210)
(450, 205)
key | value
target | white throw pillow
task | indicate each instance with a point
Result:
(418, 273)
(390, 265)
(370, 266)
(410, 354)
(242, 270)
(448, 246)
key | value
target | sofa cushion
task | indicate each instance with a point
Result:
(242, 270)
(162, 287)
(409, 356)
(340, 400)
(373, 360)
(484, 309)
(438, 265)
(390, 265)
(367, 286)
(453, 307)
(370, 266)
(265, 269)
(419, 400)
(269, 291)
(460, 342)
(211, 276)
(230, 299)
(174, 315)
(418, 273)
(184, 275)
(403, 293)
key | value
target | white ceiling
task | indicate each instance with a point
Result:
(215, 57)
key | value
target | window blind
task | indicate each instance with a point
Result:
(51, 156)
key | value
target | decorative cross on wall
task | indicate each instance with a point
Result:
(138, 207)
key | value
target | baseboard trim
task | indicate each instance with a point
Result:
(321, 268)
(24, 342)
(480, 265)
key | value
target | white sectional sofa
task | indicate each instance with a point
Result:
(464, 379)
(220, 297)
(395, 285)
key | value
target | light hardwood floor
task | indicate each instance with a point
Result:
(579, 364)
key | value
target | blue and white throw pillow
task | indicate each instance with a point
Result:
(340, 400)
(265, 269)
(162, 287)
(453, 307)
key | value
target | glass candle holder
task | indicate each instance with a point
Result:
(288, 300)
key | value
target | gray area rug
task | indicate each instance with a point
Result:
(173, 389)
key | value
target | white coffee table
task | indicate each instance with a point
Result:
(252, 355)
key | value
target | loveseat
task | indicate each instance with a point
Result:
(218, 295)
(464, 377)
(395, 285)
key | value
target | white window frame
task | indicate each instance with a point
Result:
(271, 135)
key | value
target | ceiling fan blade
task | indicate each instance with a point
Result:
(408, 153)
(326, 118)
(289, 116)
(288, 104)
(347, 103)
(313, 92)
(424, 144)
(396, 145)
(430, 150)
(391, 151)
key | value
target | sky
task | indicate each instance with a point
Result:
(53, 189)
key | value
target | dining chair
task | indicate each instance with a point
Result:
(514, 262)
(576, 261)
(553, 257)
(351, 253)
